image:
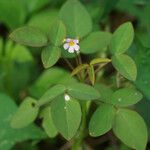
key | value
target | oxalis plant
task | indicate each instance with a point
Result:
(86, 106)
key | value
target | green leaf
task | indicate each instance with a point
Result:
(10, 136)
(29, 36)
(101, 121)
(50, 77)
(50, 55)
(79, 68)
(83, 91)
(35, 5)
(96, 61)
(130, 128)
(20, 66)
(122, 38)
(96, 41)
(126, 97)
(39, 20)
(105, 91)
(141, 56)
(91, 74)
(26, 113)
(66, 115)
(50, 94)
(76, 18)
(12, 19)
(57, 33)
(47, 122)
(125, 66)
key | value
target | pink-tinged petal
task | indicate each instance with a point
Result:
(76, 41)
(77, 47)
(66, 46)
(68, 40)
(71, 49)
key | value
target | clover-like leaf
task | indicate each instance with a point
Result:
(102, 119)
(122, 38)
(131, 129)
(66, 115)
(125, 65)
(50, 55)
(95, 41)
(126, 97)
(50, 94)
(76, 18)
(83, 91)
(26, 113)
(57, 33)
(29, 36)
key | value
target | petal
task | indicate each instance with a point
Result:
(71, 49)
(76, 41)
(66, 46)
(68, 40)
(77, 47)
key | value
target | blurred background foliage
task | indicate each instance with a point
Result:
(22, 73)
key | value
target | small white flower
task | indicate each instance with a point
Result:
(71, 45)
(67, 97)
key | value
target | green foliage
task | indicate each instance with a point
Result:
(105, 91)
(66, 115)
(125, 97)
(18, 62)
(50, 55)
(14, 15)
(125, 66)
(47, 122)
(29, 36)
(101, 121)
(65, 104)
(83, 91)
(49, 77)
(76, 18)
(124, 123)
(8, 135)
(122, 38)
(51, 93)
(57, 33)
(95, 42)
(40, 20)
(140, 54)
(26, 113)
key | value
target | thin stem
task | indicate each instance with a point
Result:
(100, 67)
(68, 63)
(118, 80)
(79, 58)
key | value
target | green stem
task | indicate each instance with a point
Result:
(118, 80)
